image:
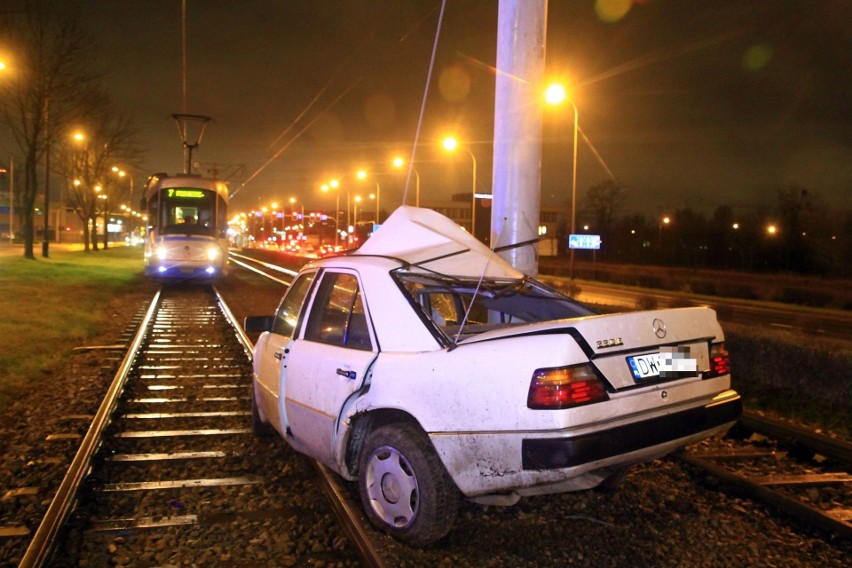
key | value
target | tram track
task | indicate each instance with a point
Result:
(269, 511)
(173, 475)
(794, 470)
(836, 528)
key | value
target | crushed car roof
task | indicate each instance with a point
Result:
(426, 238)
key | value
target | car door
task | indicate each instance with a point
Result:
(328, 364)
(274, 347)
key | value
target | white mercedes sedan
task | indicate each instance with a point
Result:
(428, 369)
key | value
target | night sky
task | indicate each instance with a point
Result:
(687, 103)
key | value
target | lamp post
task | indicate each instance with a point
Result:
(292, 203)
(122, 174)
(11, 199)
(398, 163)
(326, 187)
(555, 95)
(45, 247)
(665, 220)
(450, 145)
(357, 200)
(362, 175)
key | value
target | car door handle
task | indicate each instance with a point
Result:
(279, 355)
(348, 374)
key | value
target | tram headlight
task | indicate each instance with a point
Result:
(162, 252)
(212, 253)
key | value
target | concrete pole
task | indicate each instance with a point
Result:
(515, 213)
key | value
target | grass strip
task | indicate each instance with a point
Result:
(49, 306)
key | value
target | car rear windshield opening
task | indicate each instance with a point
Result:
(445, 300)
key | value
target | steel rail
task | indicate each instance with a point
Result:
(802, 511)
(837, 449)
(346, 511)
(831, 447)
(42, 544)
(242, 337)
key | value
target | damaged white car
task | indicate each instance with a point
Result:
(428, 369)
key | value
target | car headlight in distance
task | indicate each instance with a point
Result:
(162, 252)
(565, 387)
(212, 253)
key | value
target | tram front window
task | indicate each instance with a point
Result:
(192, 212)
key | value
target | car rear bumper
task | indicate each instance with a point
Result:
(557, 453)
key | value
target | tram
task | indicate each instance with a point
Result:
(187, 226)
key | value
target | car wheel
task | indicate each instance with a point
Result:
(404, 487)
(260, 428)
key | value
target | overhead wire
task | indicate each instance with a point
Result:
(423, 103)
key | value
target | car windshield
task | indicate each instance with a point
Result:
(492, 303)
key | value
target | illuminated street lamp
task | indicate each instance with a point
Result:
(555, 94)
(450, 144)
(292, 203)
(122, 174)
(772, 230)
(663, 221)
(362, 175)
(326, 187)
(354, 227)
(398, 163)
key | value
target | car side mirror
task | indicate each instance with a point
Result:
(258, 324)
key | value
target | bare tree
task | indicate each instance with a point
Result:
(52, 57)
(106, 139)
(604, 203)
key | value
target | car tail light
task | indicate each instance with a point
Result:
(565, 387)
(720, 361)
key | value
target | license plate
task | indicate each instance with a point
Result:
(670, 363)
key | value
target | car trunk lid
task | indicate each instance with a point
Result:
(628, 349)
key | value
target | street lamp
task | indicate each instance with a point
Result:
(665, 220)
(450, 145)
(354, 228)
(293, 202)
(326, 187)
(398, 163)
(122, 174)
(362, 175)
(555, 95)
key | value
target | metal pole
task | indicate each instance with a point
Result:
(11, 200)
(337, 221)
(417, 189)
(473, 197)
(574, 188)
(378, 194)
(44, 245)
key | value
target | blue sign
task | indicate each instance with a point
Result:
(584, 242)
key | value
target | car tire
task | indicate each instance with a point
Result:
(404, 488)
(260, 428)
